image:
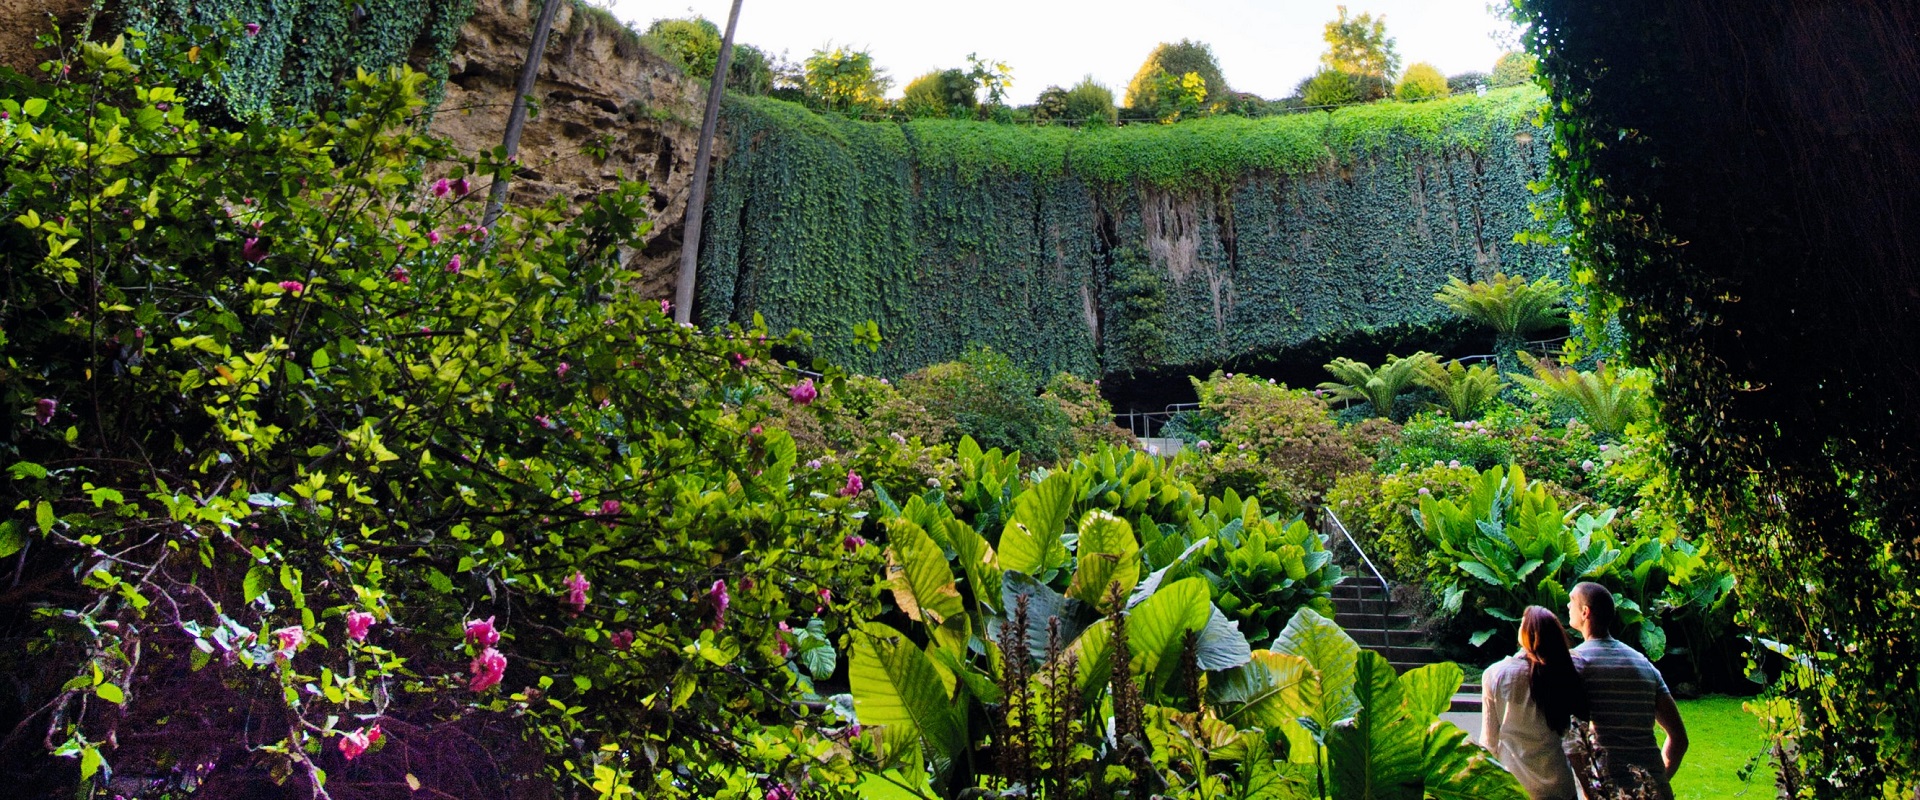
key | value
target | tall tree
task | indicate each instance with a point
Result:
(1360, 46)
(1155, 88)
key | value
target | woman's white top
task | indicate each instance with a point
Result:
(1517, 733)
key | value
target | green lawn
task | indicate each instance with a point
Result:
(1722, 737)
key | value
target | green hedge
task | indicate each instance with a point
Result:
(1115, 249)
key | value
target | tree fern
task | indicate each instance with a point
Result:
(1357, 381)
(1508, 304)
(1608, 399)
(1464, 389)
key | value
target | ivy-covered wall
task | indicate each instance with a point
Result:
(1119, 249)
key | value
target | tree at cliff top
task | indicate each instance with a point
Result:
(1156, 89)
(1360, 47)
(844, 79)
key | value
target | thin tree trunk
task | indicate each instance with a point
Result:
(517, 118)
(697, 197)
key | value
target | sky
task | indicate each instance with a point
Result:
(1264, 46)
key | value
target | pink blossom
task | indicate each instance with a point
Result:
(289, 638)
(292, 287)
(753, 431)
(358, 622)
(740, 360)
(853, 542)
(479, 234)
(545, 421)
(453, 265)
(461, 187)
(433, 237)
(254, 251)
(481, 633)
(854, 484)
(562, 370)
(253, 29)
(463, 229)
(440, 188)
(577, 586)
(487, 669)
(43, 410)
(357, 742)
(803, 392)
(781, 791)
(622, 641)
(609, 508)
(401, 275)
(826, 599)
(718, 595)
(813, 464)
(780, 641)
(666, 306)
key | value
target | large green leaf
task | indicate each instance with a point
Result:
(1332, 653)
(1430, 688)
(1220, 645)
(1043, 605)
(1030, 543)
(1263, 692)
(1109, 560)
(977, 559)
(1454, 768)
(1377, 753)
(919, 577)
(897, 687)
(1157, 628)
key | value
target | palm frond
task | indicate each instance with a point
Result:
(1608, 399)
(1357, 381)
(1465, 389)
(1507, 303)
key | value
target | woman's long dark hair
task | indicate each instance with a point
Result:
(1551, 679)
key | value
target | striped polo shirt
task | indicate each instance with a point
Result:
(1622, 686)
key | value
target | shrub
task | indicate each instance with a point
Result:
(361, 468)
(1467, 82)
(750, 70)
(1089, 414)
(1378, 510)
(940, 93)
(996, 402)
(692, 43)
(1421, 81)
(844, 79)
(1050, 105)
(1156, 89)
(1092, 102)
(1275, 442)
(1434, 438)
(1513, 69)
(865, 425)
(1463, 390)
(1329, 87)
(1608, 399)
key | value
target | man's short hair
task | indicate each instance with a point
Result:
(1600, 606)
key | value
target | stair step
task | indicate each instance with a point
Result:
(1396, 622)
(1375, 637)
(1365, 590)
(1466, 701)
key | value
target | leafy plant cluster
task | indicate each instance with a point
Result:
(1118, 249)
(1270, 440)
(1066, 659)
(396, 500)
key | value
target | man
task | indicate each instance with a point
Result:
(1626, 695)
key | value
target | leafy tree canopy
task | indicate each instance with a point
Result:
(1360, 46)
(1151, 92)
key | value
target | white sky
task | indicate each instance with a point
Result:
(1264, 46)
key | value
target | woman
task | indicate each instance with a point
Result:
(1525, 706)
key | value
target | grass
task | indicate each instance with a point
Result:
(1721, 737)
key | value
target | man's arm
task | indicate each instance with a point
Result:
(1667, 716)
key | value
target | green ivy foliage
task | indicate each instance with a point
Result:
(304, 51)
(1115, 249)
(308, 448)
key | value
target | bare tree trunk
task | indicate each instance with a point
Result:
(697, 197)
(517, 118)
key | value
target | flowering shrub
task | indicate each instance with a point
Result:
(1275, 442)
(995, 401)
(395, 500)
(1378, 510)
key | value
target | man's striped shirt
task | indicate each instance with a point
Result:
(1622, 686)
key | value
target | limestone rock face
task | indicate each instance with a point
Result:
(21, 21)
(597, 88)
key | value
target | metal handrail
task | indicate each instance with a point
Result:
(1333, 523)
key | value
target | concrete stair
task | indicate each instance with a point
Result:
(1362, 607)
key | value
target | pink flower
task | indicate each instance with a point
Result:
(254, 251)
(740, 360)
(781, 791)
(718, 594)
(487, 669)
(609, 508)
(813, 464)
(461, 187)
(357, 742)
(545, 421)
(854, 484)
(780, 641)
(401, 275)
(562, 370)
(463, 229)
(357, 624)
(666, 306)
(43, 410)
(753, 431)
(453, 265)
(577, 587)
(853, 542)
(289, 638)
(253, 29)
(433, 237)
(622, 641)
(803, 392)
(481, 633)
(440, 188)
(826, 599)
(292, 287)
(479, 234)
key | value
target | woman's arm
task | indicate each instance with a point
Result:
(1491, 711)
